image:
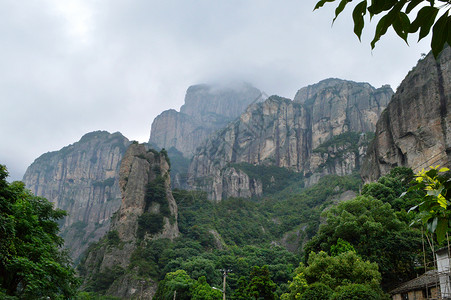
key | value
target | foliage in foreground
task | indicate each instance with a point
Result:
(32, 265)
(396, 13)
(435, 211)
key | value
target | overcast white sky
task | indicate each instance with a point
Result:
(71, 67)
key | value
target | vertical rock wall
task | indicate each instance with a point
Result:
(207, 108)
(415, 129)
(145, 189)
(83, 179)
(285, 133)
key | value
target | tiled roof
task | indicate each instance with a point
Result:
(428, 279)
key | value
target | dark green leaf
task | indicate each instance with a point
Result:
(340, 8)
(381, 28)
(422, 19)
(412, 5)
(321, 3)
(439, 34)
(357, 15)
(401, 25)
(442, 228)
(426, 27)
(378, 6)
(448, 40)
(433, 172)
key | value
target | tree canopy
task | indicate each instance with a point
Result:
(32, 264)
(179, 285)
(376, 233)
(325, 273)
(398, 15)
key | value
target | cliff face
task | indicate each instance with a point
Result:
(414, 130)
(285, 133)
(82, 179)
(148, 211)
(144, 176)
(207, 108)
(337, 106)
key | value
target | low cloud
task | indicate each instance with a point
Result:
(68, 69)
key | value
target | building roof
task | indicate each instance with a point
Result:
(428, 279)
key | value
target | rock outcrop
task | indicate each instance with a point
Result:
(331, 117)
(337, 106)
(146, 188)
(83, 179)
(148, 211)
(414, 130)
(207, 108)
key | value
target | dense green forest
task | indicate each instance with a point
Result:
(294, 243)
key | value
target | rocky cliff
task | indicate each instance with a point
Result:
(83, 179)
(148, 211)
(323, 131)
(207, 108)
(414, 130)
(337, 106)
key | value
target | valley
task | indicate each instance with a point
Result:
(269, 188)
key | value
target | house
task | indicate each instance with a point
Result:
(423, 287)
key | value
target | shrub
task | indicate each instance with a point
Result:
(113, 237)
(156, 192)
(149, 223)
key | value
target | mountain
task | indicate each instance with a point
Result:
(414, 130)
(323, 131)
(83, 179)
(207, 108)
(148, 212)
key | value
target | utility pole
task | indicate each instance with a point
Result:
(142, 282)
(224, 273)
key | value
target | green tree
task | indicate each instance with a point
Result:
(398, 15)
(178, 282)
(374, 230)
(342, 246)
(203, 291)
(296, 287)
(261, 286)
(343, 269)
(240, 292)
(390, 187)
(317, 291)
(32, 263)
(356, 292)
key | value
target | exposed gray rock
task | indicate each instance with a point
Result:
(83, 179)
(414, 130)
(139, 169)
(337, 106)
(286, 133)
(207, 108)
